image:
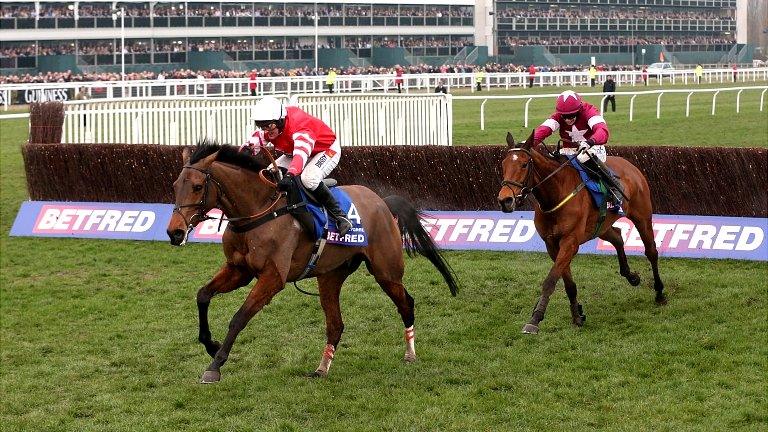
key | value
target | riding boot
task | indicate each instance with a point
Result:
(324, 196)
(601, 170)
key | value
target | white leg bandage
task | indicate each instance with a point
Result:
(325, 362)
(410, 344)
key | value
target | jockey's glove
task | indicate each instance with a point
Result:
(586, 144)
(286, 182)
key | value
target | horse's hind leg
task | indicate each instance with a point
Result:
(329, 285)
(613, 236)
(228, 278)
(404, 303)
(645, 228)
(388, 272)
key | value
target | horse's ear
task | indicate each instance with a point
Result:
(510, 140)
(185, 153)
(529, 142)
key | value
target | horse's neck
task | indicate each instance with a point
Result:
(245, 193)
(551, 191)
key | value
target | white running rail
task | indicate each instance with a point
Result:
(357, 119)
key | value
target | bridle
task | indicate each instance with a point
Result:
(200, 214)
(526, 190)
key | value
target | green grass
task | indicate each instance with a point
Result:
(726, 128)
(101, 335)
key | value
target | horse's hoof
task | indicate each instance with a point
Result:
(633, 279)
(409, 358)
(210, 377)
(580, 321)
(530, 329)
(318, 374)
(661, 300)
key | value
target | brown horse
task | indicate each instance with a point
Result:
(565, 217)
(261, 241)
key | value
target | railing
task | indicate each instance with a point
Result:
(659, 93)
(234, 87)
(357, 119)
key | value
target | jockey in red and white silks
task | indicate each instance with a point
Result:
(580, 125)
(309, 146)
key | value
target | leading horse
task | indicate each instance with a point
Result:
(262, 242)
(565, 217)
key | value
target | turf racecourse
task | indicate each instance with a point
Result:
(101, 335)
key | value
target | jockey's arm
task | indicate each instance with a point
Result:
(303, 144)
(545, 129)
(600, 132)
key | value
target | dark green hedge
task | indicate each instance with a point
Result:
(684, 180)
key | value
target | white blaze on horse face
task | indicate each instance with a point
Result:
(514, 157)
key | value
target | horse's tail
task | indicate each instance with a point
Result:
(417, 240)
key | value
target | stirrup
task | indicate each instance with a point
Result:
(343, 225)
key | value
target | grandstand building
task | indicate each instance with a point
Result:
(235, 34)
(106, 36)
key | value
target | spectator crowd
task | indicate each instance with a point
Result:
(281, 72)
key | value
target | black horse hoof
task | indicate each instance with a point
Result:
(661, 300)
(633, 279)
(530, 329)
(317, 374)
(210, 377)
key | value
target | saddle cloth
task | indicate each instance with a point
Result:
(597, 190)
(355, 237)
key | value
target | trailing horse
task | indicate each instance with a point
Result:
(565, 217)
(262, 241)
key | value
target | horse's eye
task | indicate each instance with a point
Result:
(197, 188)
(525, 165)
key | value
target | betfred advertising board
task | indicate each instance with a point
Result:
(675, 236)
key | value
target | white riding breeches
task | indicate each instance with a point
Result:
(318, 166)
(597, 150)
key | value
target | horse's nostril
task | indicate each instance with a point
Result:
(176, 236)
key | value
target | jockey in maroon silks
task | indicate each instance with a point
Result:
(309, 146)
(583, 131)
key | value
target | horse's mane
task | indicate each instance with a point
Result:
(226, 153)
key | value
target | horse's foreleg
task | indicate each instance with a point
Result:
(613, 236)
(228, 278)
(329, 285)
(645, 228)
(270, 283)
(566, 251)
(577, 313)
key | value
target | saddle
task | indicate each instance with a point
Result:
(300, 197)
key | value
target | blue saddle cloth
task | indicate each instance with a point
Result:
(597, 190)
(354, 237)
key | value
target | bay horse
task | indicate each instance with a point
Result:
(263, 242)
(565, 217)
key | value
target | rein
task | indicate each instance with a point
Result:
(525, 190)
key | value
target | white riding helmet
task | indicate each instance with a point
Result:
(268, 108)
